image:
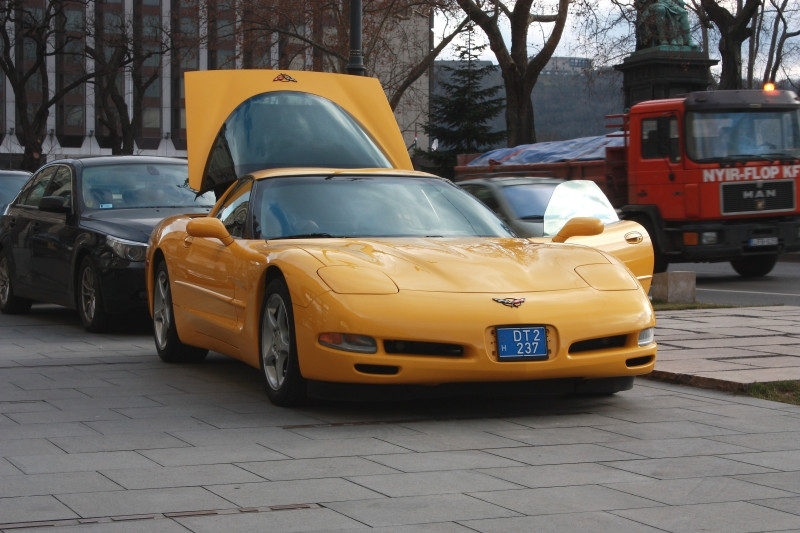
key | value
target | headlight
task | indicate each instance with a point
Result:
(647, 336)
(130, 250)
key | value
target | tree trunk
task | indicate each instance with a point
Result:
(519, 112)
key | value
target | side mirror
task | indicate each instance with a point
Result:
(209, 228)
(579, 227)
(54, 204)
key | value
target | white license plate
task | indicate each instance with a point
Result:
(764, 241)
(523, 343)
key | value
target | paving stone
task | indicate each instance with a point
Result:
(572, 499)
(33, 509)
(316, 468)
(199, 455)
(699, 490)
(44, 484)
(292, 492)
(285, 521)
(731, 517)
(139, 502)
(561, 523)
(79, 462)
(180, 476)
(419, 510)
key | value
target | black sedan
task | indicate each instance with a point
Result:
(76, 235)
(11, 181)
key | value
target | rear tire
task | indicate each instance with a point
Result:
(169, 347)
(754, 266)
(278, 352)
(90, 298)
(9, 303)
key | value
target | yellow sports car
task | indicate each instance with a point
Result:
(327, 259)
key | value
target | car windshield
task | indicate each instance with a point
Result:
(369, 206)
(577, 198)
(134, 185)
(555, 203)
(10, 186)
(751, 134)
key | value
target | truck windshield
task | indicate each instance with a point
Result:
(743, 135)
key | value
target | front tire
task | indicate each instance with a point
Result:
(169, 347)
(754, 266)
(90, 298)
(9, 303)
(278, 352)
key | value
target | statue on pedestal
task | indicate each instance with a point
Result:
(662, 23)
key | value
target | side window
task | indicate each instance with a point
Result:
(35, 190)
(484, 194)
(61, 185)
(660, 138)
(234, 209)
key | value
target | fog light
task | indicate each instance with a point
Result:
(349, 342)
(647, 336)
(709, 237)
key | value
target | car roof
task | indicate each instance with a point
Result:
(95, 161)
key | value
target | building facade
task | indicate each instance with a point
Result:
(131, 56)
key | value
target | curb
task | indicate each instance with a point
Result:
(696, 381)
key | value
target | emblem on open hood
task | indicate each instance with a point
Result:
(510, 302)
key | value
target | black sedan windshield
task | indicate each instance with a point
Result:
(116, 186)
(359, 206)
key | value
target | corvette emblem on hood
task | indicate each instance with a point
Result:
(510, 302)
(284, 77)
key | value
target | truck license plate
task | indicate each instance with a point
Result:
(764, 241)
(518, 344)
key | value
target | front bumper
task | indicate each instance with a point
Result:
(583, 316)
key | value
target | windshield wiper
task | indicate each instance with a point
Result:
(307, 236)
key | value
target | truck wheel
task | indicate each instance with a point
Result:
(754, 266)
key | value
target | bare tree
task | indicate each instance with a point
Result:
(733, 30)
(520, 72)
(30, 34)
(125, 47)
(295, 30)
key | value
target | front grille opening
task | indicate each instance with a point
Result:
(438, 349)
(381, 370)
(601, 343)
(639, 361)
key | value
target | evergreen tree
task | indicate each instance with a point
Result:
(459, 116)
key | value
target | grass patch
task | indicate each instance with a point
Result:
(777, 391)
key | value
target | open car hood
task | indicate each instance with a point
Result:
(240, 121)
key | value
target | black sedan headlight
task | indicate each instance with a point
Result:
(130, 250)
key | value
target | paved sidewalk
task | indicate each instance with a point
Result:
(98, 436)
(728, 348)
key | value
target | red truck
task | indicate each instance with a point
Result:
(712, 176)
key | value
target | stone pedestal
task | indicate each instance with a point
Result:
(664, 71)
(674, 287)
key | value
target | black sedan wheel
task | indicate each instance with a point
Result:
(279, 364)
(90, 298)
(169, 347)
(9, 303)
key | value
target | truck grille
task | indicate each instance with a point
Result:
(758, 197)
